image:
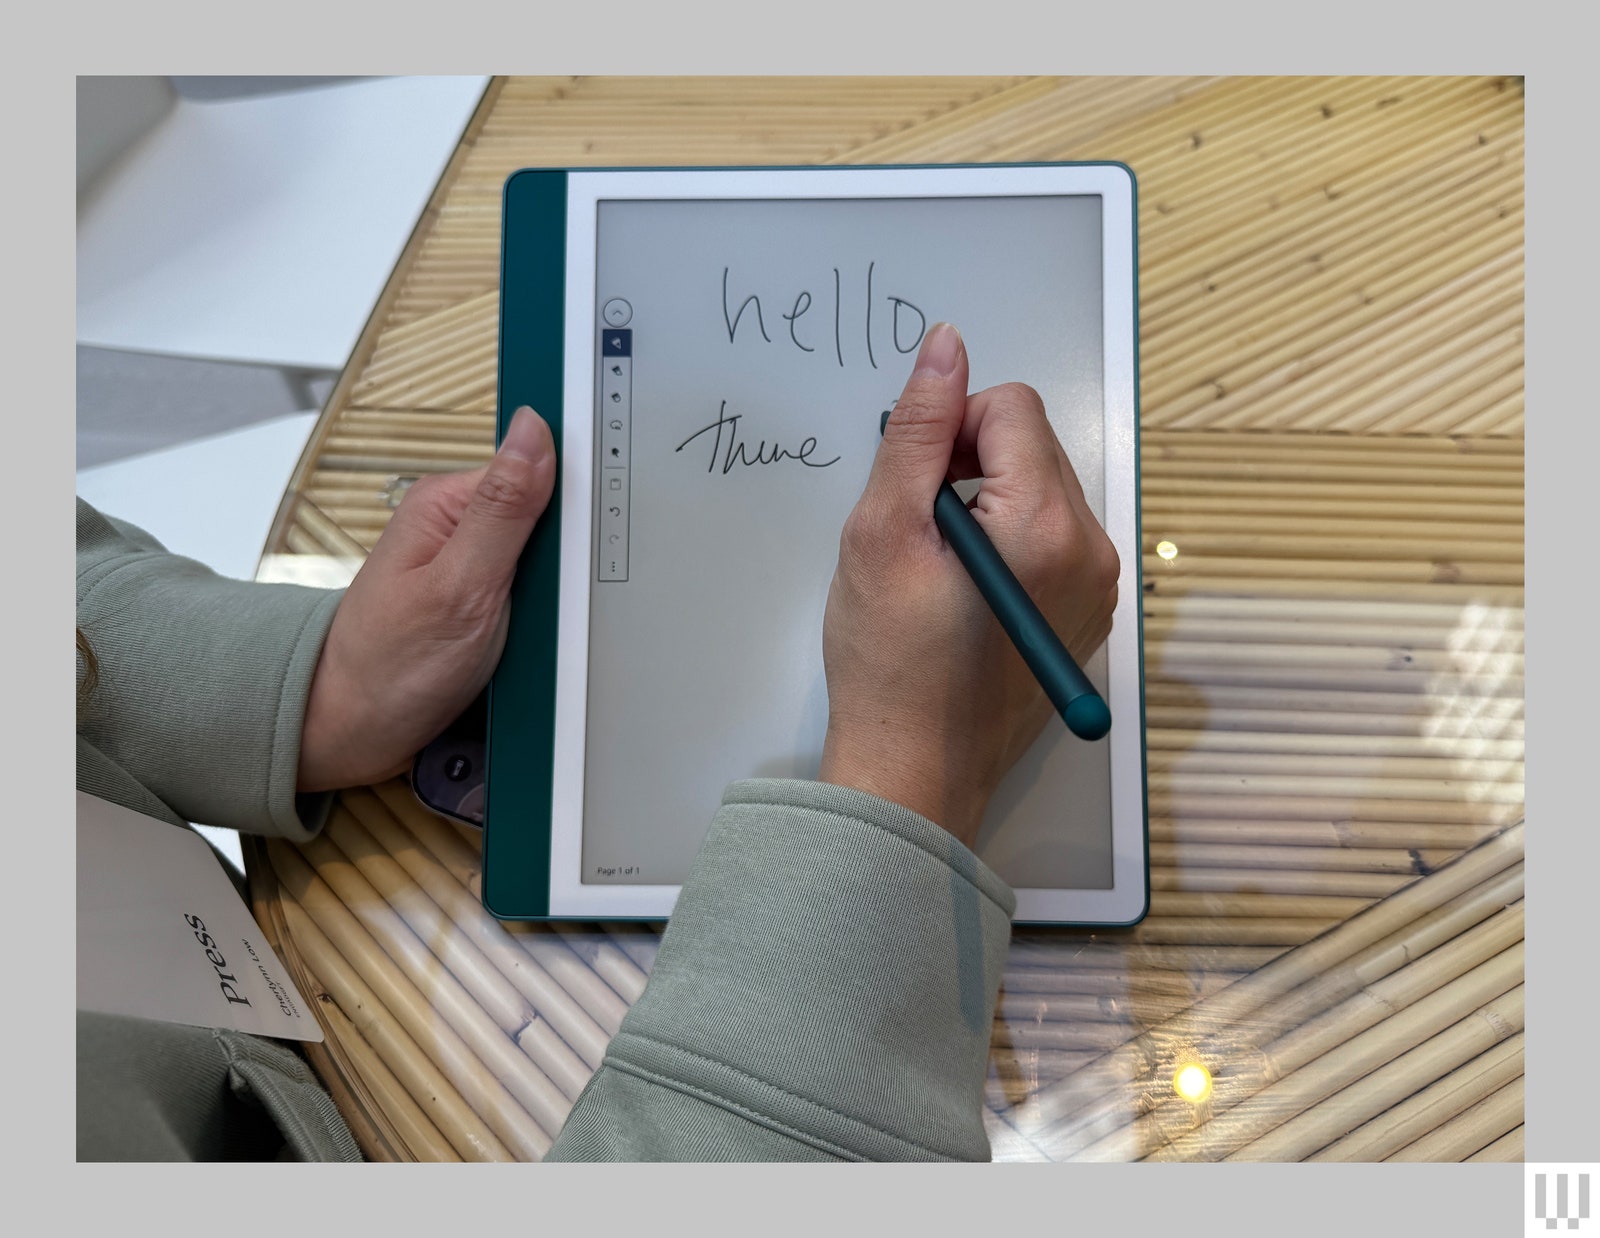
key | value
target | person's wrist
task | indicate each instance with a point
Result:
(928, 788)
(324, 745)
(333, 736)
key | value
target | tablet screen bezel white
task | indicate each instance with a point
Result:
(1125, 901)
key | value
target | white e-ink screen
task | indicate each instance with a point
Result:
(753, 345)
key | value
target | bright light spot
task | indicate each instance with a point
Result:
(1167, 550)
(1192, 1082)
(1477, 717)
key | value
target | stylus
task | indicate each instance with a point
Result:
(1081, 707)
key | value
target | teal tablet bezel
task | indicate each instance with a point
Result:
(533, 276)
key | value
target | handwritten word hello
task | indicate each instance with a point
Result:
(900, 318)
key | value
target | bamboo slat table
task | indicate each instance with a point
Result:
(1332, 396)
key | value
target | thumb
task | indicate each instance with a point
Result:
(919, 436)
(507, 502)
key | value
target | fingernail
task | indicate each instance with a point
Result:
(941, 351)
(523, 439)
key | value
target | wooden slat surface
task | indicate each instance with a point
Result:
(1332, 496)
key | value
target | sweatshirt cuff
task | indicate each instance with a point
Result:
(830, 970)
(290, 628)
(203, 688)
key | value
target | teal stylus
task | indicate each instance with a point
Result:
(1081, 707)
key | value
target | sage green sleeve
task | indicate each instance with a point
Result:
(824, 991)
(202, 681)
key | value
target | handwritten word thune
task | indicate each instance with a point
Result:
(736, 451)
(905, 322)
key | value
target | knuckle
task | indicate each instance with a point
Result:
(1076, 551)
(1053, 524)
(1043, 518)
(1014, 406)
(439, 593)
(437, 601)
(504, 490)
(1019, 398)
(419, 492)
(917, 420)
(862, 531)
(1108, 564)
(461, 600)
(872, 542)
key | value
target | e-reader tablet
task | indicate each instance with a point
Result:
(713, 349)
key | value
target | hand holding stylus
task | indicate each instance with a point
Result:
(930, 702)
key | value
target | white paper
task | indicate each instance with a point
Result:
(163, 934)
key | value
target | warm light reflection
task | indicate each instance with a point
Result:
(1167, 550)
(1477, 715)
(1192, 1082)
(316, 571)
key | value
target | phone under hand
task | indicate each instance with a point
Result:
(448, 775)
